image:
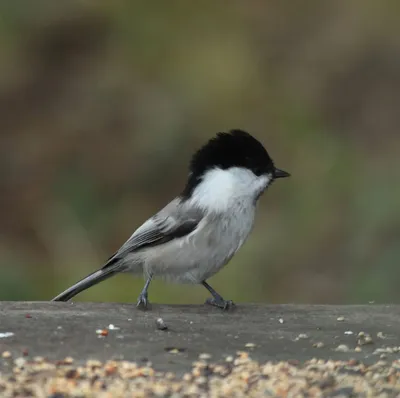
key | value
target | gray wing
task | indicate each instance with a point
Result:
(172, 222)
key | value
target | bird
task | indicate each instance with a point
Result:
(196, 234)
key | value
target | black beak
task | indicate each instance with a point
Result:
(280, 173)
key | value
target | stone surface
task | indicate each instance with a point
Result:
(267, 332)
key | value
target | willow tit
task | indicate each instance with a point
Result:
(198, 232)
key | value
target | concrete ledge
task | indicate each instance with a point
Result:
(279, 332)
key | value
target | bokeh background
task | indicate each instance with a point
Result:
(103, 102)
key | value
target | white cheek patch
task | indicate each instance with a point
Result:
(214, 191)
(263, 181)
(219, 189)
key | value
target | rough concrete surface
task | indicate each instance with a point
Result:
(278, 332)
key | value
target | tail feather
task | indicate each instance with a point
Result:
(92, 279)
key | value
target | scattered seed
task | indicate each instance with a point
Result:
(364, 339)
(205, 356)
(386, 350)
(71, 374)
(250, 345)
(6, 334)
(340, 319)
(93, 363)
(319, 344)
(327, 382)
(20, 362)
(240, 377)
(302, 336)
(112, 327)
(174, 350)
(342, 348)
(353, 362)
(348, 332)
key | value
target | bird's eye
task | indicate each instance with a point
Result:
(257, 171)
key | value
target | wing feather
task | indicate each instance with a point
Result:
(162, 228)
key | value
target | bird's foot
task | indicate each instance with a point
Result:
(220, 303)
(143, 302)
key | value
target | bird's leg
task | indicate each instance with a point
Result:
(216, 300)
(143, 301)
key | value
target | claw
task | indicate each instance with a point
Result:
(223, 304)
(143, 302)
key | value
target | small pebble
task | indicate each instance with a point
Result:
(205, 356)
(340, 319)
(250, 345)
(319, 344)
(348, 332)
(6, 354)
(161, 325)
(280, 320)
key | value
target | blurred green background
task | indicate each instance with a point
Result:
(103, 102)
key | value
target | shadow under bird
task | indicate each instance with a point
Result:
(199, 231)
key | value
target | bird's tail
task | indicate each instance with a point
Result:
(92, 279)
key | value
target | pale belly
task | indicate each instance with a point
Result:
(198, 257)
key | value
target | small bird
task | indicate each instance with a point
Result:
(199, 231)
